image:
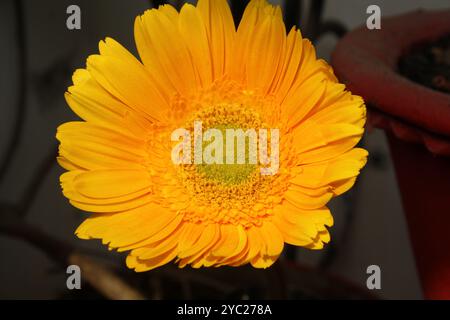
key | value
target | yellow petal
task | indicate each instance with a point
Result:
(94, 104)
(205, 239)
(200, 258)
(193, 30)
(272, 238)
(231, 240)
(263, 262)
(298, 226)
(291, 65)
(189, 235)
(146, 265)
(96, 206)
(318, 243)
(165, 53)
(318, 142)
(158, 248)
(92, 147)
(126, 228)
(264, 56)
(112, 204)
(127, 80)
(68, 165)
(240, 251)
(111, 183)
(302, 100)
(254, 14)
(349, 110)
(221, 31)
(304, 223)
(337, 170)
(255, 243)
(342, 186)
(171, 228)
(301, 200)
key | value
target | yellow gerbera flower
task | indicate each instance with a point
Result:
(197, 66)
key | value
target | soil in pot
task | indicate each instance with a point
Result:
(429, 64)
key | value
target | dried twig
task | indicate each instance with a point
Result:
(103, 279)
(96, 274)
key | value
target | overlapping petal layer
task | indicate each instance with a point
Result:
(197, 64)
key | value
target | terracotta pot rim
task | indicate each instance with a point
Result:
(435, 144)
(366, 60)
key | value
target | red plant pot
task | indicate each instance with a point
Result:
(417, 122)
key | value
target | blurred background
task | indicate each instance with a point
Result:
(37, 57)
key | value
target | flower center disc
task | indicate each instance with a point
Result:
(229, 188)
(228, 173)
(223, 118)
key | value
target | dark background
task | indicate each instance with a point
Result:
(369, 222)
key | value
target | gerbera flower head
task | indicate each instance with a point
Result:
(196, 66)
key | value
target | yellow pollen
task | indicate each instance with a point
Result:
(233, 190)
